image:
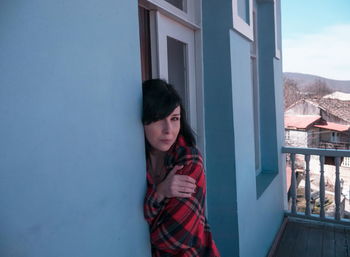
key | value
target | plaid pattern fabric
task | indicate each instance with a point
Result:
(178, 226)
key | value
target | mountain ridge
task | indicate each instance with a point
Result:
(304, 80)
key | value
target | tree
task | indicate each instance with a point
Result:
(291, 92)
(318, 89)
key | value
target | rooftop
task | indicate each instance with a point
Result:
(336, 107)
(339, 95)
(300, 121)
(334, 126)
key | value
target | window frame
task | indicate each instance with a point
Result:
(191, 20)
(254, 58)
(169, 28)
(267, 83)
(190, 17)
(277, 7)
(239, 24)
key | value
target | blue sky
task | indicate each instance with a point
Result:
(316, 37)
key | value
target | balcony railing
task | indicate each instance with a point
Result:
(334, 145)
(315, 202)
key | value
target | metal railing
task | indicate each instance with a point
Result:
(336, 157)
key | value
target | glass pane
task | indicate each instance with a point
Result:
(181, 4)
(177, 67)
(243, 10)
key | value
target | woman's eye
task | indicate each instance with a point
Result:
(175, 118)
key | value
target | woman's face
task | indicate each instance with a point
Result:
(161, 134)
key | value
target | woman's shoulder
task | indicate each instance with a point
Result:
(191, 159)
(189, 155)
(184, 154)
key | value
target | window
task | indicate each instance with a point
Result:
(268, 87)
(287, 134)
(177, 67)
(181, 4)
(242, 11)
(334, 137)
(170, 49)
(277, 11)
(346, 162)
(185, 11)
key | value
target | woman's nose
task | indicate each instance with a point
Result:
(166, 127)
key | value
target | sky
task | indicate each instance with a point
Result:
(316, 37)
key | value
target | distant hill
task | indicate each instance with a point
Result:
(304, 80)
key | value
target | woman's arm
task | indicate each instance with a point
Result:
(173, 186)
(176, 228)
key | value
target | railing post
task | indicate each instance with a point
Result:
(293, 184)
(322, 187)
(321, 199)
(307, 185)
(337, 189)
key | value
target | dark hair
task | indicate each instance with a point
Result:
(159, 101)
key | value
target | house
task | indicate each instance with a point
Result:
(334, 135)
(330, 131)
(330, 109)
(314, 132)
(301, 131)
(72, 162)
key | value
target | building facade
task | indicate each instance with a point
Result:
(72, 164)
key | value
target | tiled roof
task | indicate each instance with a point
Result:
(338, 95)
(299, 121)
(336, 107)
(334, 126)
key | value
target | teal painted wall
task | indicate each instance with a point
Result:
(71, 156)
(243, 224)
(219, 133)
(259, 218)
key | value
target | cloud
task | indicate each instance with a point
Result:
(325, 53)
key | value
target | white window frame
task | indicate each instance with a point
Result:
(334, 137)
(277, 5)
(287, 134)
(160, 9)
(239, 24)
(190, 17)
(254, 56)
(169, 28)
(346, 162)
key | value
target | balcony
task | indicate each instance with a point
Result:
(304, 238)
(317, 219)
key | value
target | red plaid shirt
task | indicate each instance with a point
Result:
(178, 226)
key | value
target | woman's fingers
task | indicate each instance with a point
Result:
(188, 188)
(184, 195)
(178, 185)
(176, 168)
(184, 189)
(186, 178)
(186, 184)
(177, 181)
(185, 181)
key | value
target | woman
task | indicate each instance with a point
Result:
(175, 198)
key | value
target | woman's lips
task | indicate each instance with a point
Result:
(166, 141)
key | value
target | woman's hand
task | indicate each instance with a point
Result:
(176, 185)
